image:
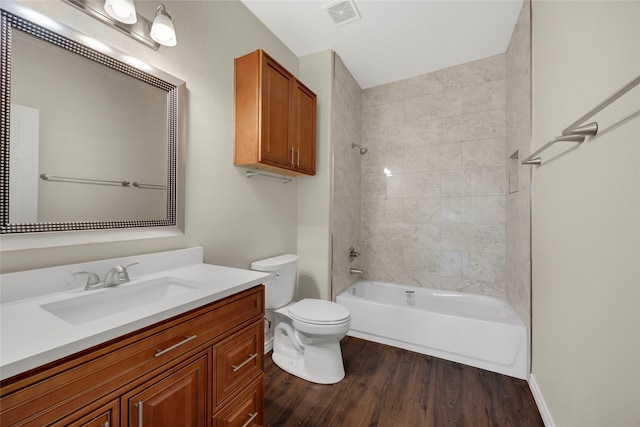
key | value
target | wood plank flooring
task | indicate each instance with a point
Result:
(389, 387)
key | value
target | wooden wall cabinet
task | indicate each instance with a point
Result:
(275, 118)
(203, 368)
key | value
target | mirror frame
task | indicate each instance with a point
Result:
(14, 15)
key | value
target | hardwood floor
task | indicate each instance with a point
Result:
(389, 387)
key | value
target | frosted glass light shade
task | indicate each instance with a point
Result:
(121, 10)
(162, 29)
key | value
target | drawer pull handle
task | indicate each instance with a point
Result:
(253, 417)
(184, 341)
(139, 406)
(236, 368)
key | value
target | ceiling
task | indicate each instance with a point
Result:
(394, 39)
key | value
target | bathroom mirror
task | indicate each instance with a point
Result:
(90, 138)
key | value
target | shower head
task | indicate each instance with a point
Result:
(362, 149)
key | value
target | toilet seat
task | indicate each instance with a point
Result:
(319, 312)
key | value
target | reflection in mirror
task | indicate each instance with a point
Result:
(88, 141)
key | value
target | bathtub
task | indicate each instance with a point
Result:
(471, 329)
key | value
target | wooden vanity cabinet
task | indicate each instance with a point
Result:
(275, 118)
(184, 371)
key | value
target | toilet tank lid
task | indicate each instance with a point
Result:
(274, 263)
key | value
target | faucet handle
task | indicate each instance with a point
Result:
(124, 274)
(92, 280)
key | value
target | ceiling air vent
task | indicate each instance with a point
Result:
(342, 12)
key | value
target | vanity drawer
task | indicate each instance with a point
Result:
(49, 393)
(245, 410)
(238, 359)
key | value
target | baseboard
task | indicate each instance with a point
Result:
(542, 406)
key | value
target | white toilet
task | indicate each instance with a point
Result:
(307, 333)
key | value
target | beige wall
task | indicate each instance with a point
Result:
(586, 214)
(314, 193)
(235, 219)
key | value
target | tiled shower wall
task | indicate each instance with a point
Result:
(433, 180)
(347, 118)
(518, 218)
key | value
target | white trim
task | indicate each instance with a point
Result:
(542, 406)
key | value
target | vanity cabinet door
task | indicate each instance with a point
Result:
(179, 399)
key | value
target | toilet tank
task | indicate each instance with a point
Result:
(280, 286)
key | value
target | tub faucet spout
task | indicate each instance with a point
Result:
(355, 271)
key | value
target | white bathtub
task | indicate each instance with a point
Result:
(472, 329)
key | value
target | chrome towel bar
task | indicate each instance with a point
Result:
(252, 173)
(47, 177)
(577, 131)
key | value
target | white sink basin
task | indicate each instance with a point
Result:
(101, 303)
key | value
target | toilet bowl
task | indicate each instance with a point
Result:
(307, 340)
(306, 334)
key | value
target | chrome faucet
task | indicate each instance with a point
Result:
(115, 276)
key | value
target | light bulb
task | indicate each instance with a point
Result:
(121, 10)
(162, 29)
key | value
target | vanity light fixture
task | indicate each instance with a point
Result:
(162, 29)
(121, 10)
(113, 13)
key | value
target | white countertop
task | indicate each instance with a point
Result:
(31, 336)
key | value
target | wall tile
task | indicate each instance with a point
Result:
(346, 218)
(488, 267)
(422, 210)
(401, 235)
(382, 210)
(483, 152)
(376, 162)
(413, 135)
(383, 115)
(439, 220)
(473, 182)
(374, 139)
(493, 289)
(486, 96)
(473, 237)
(471, 126)
(432, 262)
(433, 158)
(473, 210)
(423, 184)
(375, 96)
(346, 184)
(472, 73)
(439, 104)
(373, 186)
